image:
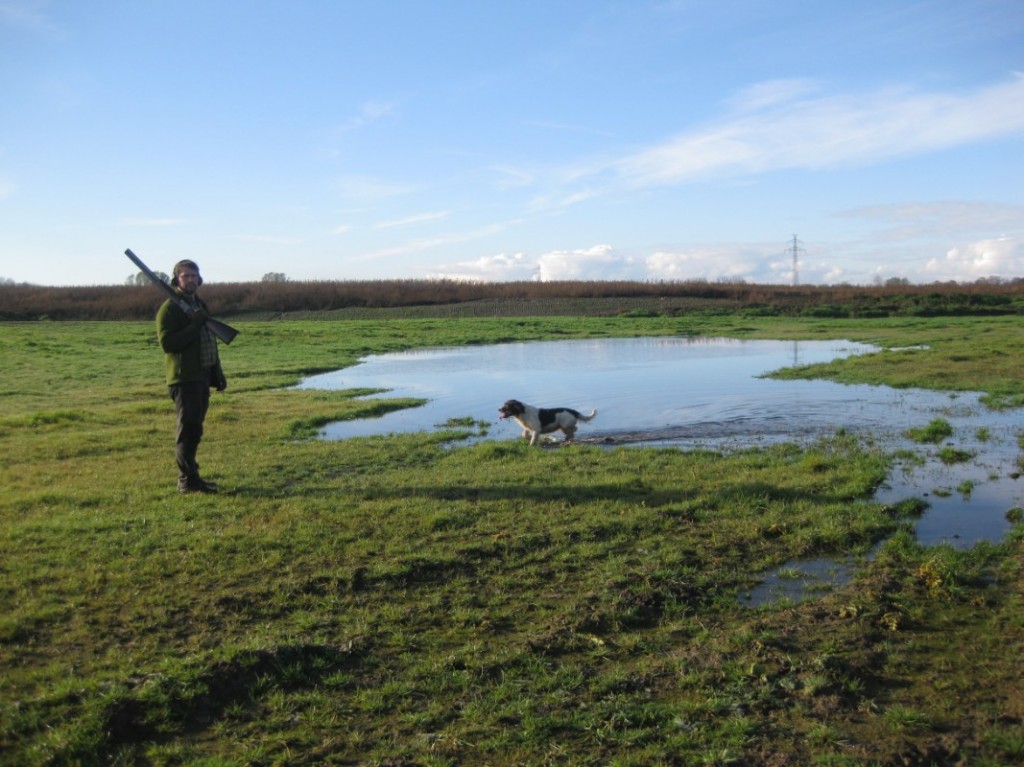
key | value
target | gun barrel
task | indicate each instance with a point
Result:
(222, 330)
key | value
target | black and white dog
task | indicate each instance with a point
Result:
(543, 420)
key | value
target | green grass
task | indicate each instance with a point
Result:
(395, 601)
(937, 430)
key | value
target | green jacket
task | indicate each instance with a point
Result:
(179, 339)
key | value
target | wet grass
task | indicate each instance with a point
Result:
(937, 430)
(396, 601)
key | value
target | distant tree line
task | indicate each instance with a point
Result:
(140, 278)
(277, 295)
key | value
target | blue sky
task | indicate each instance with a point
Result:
(643, 139)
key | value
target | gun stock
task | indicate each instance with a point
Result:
(222, 330)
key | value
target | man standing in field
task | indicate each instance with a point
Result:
(193, 367)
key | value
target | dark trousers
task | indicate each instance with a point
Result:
(191, 401)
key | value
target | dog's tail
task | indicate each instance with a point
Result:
(586, 418)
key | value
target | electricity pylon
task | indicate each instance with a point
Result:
(795, 250)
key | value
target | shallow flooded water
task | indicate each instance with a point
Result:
(710, 393)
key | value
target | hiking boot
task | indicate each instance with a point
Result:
(196, 486)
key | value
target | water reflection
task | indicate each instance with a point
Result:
(648, 390)
(707, 393)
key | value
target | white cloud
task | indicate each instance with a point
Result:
(422, 244)
(500, 267)
(830, 275)
(369, 112)
(409, 220)
(29, 15)
(998, 257)
(512, 178)
(781, 131)
(707, 263)
(943, 217)
(979, 240)
(738, 262)
(772, 92)
(599, 262)
(368, 189)
(6, 188)
(337, 136)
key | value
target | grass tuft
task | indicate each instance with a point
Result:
(937, 430)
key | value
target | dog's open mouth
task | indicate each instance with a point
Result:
(510, 409)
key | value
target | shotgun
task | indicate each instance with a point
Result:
(224, 332)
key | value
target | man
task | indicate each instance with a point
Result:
(193, 367)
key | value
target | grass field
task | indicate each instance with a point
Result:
(397, 602)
